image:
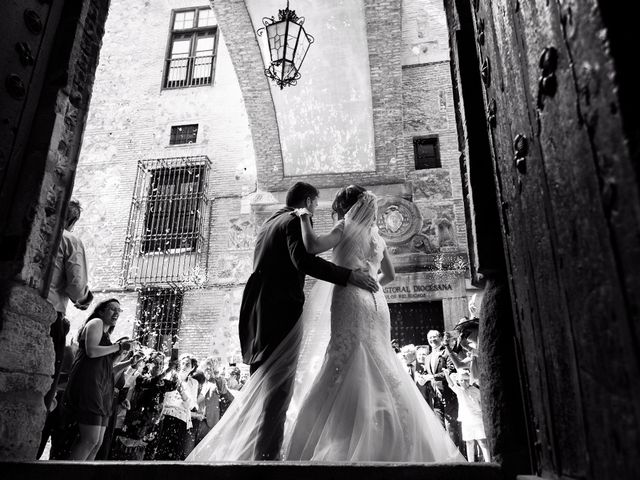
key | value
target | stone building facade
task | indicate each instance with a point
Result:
(181, 286)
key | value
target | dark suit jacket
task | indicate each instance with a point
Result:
(273, 296)
(438, 360)
(423, 388)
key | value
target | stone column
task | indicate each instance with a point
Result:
(26, 366)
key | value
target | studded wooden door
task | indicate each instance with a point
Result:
(28, 28)
(410, 322)
(563, 158)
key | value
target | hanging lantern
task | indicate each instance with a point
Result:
(288, 45)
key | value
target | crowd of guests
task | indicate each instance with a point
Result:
(118, 400)
(121, 401)
(446, 374)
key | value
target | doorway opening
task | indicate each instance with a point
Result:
(410, 322)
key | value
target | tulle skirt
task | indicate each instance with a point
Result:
(369, 409)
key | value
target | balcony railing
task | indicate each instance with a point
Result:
(189, 71)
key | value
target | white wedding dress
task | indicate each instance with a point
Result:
(352, 399)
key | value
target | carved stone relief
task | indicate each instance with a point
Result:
(416, 227)
(398, 220)
(242, 233)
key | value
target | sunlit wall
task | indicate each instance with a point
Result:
(325, 121)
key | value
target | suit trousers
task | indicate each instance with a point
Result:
(271, 430)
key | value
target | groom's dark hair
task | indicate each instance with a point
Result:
(299, 192)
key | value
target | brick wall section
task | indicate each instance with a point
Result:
(130, 120)
(384, 21)
(424, 32)
(429, 110)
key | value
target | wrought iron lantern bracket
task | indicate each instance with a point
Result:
(288, 43)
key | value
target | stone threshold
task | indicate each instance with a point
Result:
(54, 470)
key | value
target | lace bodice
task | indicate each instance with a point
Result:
(358, 316)
(360, 251)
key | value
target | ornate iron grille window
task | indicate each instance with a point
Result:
(183, 134)
(171, 219)
(158, 322)
(192, 49)
(166, 234)
(426, 152)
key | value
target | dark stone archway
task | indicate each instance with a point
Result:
(51, 72)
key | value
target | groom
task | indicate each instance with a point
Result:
(273, 299)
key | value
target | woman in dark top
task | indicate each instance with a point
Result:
(89, 394)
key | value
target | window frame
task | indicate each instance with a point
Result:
(193, 32)
(172, 136)
(435, 140)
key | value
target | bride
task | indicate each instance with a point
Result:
(352, 398)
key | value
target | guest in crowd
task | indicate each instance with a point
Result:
(209, 398)
(244, 376)
(443, 401)
(129, 378)
(226, 396)
(179, 400)
(409, 359)
(121, 364)
(197, 415)
(467, 356)
(469, 413)
(137, 432)
(69, 281)
(422, 352)
(51, 424)
(233, 383)
(88, 398)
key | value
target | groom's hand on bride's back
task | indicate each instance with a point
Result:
(362, 279)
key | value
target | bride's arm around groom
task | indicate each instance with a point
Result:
(304, 244)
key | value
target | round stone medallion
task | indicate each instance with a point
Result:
(398, 220)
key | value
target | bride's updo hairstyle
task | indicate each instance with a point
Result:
(346, 198)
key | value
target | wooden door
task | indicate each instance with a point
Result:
(28, 28)
(570, 211)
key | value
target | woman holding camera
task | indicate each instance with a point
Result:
(88, 398)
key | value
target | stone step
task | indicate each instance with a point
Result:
(52, 470)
